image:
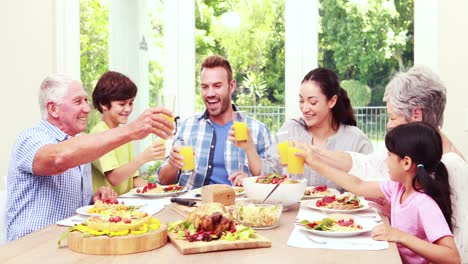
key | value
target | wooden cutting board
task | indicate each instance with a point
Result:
(186, 247)
(118, 245)
(182, 209)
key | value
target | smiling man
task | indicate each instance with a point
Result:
(216, 157)
(49, 175)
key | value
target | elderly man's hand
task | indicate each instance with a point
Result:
(155, 120)
(105, 194)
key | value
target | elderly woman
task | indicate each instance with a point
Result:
(416, 95)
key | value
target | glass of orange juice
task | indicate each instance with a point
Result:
(282, 138)
(187, 151)
(295, 163)
(239, 119)
(168, 101)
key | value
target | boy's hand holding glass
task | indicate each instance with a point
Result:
(157, 149)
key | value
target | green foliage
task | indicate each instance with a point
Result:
(255, 85)
(94, 41)
(358, 93)
(366, 40)
(255, 48)
(150, 173)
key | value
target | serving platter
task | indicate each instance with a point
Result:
(118, 245)
(185, 247)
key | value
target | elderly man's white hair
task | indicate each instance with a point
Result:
(420, 88)
(53, 88)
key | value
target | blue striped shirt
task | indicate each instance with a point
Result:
(199, 132)
(33, 201)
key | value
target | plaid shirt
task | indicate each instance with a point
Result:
(34, 201)
(199, 132)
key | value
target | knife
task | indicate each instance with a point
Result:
(186, 202)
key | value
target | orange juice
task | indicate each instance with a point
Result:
(240, 131)
(295, 163)
(189, 162)
(283, 152)
(170, 118)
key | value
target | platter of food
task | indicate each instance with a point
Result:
(337, 226)
(157, 191)
(319, 191)
(119, 232)
(211, 227)
(345, 202)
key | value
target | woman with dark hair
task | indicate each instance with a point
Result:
(113, 97)
(327, 121)
(418, 190)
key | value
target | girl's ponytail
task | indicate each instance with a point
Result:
(435, 183)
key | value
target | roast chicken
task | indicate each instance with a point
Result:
(211, 217)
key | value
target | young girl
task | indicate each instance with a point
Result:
(419, 193)
(113, 96)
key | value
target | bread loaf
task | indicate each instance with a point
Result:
(218, 193)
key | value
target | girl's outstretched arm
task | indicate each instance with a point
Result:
(443, 250)
(348, 182)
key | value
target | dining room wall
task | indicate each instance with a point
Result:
(441, 43)
(27, 56)
(453, 68)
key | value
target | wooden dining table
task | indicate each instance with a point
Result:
(42, 246)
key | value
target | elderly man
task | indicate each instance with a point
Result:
(49, 175)
(218, 159)
(416, 95)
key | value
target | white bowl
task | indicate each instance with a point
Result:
(287, 193)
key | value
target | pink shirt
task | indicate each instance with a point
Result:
(419, 215)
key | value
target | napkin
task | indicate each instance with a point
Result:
(304, 239)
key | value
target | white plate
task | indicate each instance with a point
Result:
(365, 205)
(367, 225)
(158, 195)
(320, 195)
(238, 193)
(84, 210)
